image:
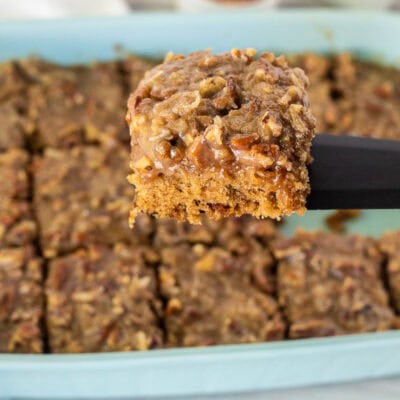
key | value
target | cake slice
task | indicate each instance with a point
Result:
(77, 105)
(219, 295)
(81, 197)
(220, 135)
(21, 301)
(17, 225)
(103, 299)
(13, 86)
(330, 284)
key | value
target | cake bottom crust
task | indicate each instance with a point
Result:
(186, 196)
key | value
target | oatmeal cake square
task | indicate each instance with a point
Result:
(14, 172)
(366, 97)
(55, 105)
(390, 246)
(81, 196)
(222, 135)
(17, 226)
(377, 101)
(217, 295)
(13, 85)
(12, 80)
(328, 77)
(331, 284)
(13, 124)
(21, 301)
(75, 105)
(105, 107)
(102, 299)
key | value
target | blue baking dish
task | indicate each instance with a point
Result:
(219, 369)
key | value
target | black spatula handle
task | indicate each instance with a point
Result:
(352, 172)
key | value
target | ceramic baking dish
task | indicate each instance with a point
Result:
(222, 368)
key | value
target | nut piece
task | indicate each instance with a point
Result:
(170, 56)
(243, 55)
(271, 125)
(210, 86)
(244, 141)
(214, 135)
(296, 117)
(292, 94)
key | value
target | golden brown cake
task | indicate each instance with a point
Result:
(218, 281)
(75, 105)
(330, 284)
(217, 295)
(222, 135)
(102, 299)
(13, 124)
(377, 102)
(349, 96)
(21, 301)
(13, 86)
(82, 197)
(17, 225)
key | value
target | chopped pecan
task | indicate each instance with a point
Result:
(244, 141)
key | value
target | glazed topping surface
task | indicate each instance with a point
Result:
(224, 112)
